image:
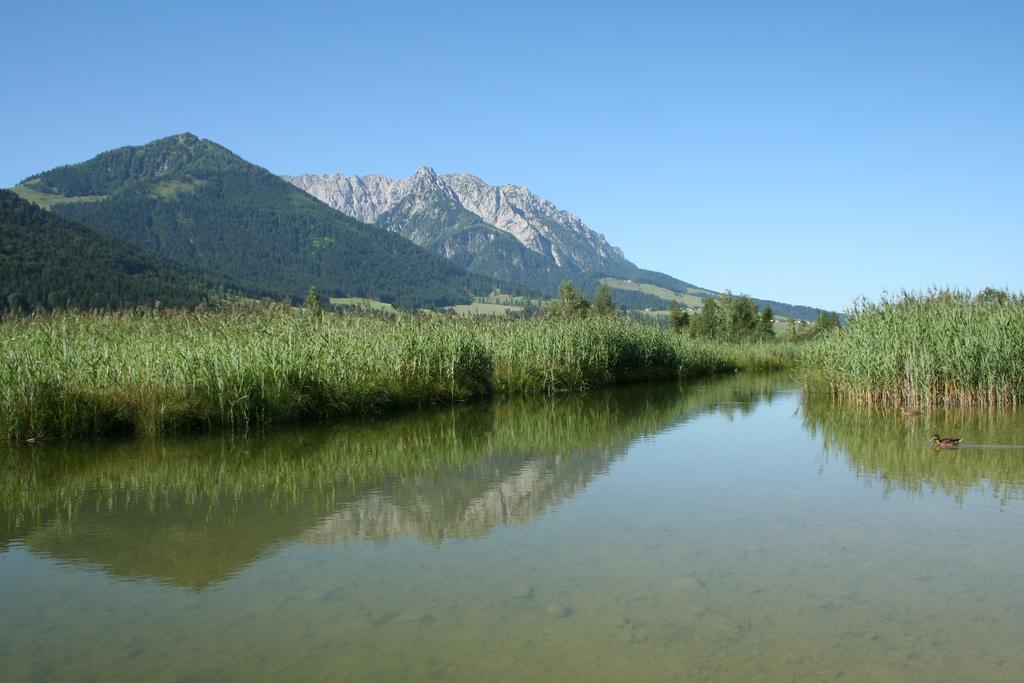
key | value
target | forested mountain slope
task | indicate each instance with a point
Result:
(48, 262)
(197, 203)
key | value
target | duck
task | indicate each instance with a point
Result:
(910, 412)
(939, 442)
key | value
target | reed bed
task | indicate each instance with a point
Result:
(941, 348)
(77, 374)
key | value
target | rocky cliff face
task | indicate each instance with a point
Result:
(429, 208)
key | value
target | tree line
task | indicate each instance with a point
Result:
(728, 317)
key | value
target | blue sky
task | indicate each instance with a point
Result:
(806, 152)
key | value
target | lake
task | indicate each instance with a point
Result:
(729, 530)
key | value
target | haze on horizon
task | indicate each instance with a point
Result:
(803, 152)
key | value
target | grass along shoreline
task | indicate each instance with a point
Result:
(75, 374)
(918, 351)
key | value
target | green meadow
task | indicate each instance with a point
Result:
(33, 192)
(694, 297)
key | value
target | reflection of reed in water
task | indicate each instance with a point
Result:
(195, 511)
(57, 478)
(881, 445)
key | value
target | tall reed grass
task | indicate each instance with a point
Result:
(940, 348)
(74, 374)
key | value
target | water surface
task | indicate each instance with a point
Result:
(733, 530)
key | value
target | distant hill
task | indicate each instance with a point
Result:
(656, 291)
(506, 232)
(197, 203)
(49, 262)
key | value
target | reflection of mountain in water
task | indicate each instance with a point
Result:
(881, 445)
(506, 490)
(193, 512)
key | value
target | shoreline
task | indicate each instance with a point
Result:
(72, 375)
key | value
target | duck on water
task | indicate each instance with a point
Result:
(939, 442)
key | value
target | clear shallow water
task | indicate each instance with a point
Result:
(729, 531)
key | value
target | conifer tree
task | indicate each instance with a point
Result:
(570, 304)
(708, 323)
(314, 303)
(603, 304)
(765, 324)
(678, 319)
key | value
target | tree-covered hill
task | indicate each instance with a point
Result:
(639, 288)
(197, 203)
(49, 262)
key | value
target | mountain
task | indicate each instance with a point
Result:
(506, 232)
(48, 262)
(196, 203)
(425, 210)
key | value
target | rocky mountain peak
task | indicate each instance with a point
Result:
(424, 172)
(557, 235)
(424, 180)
